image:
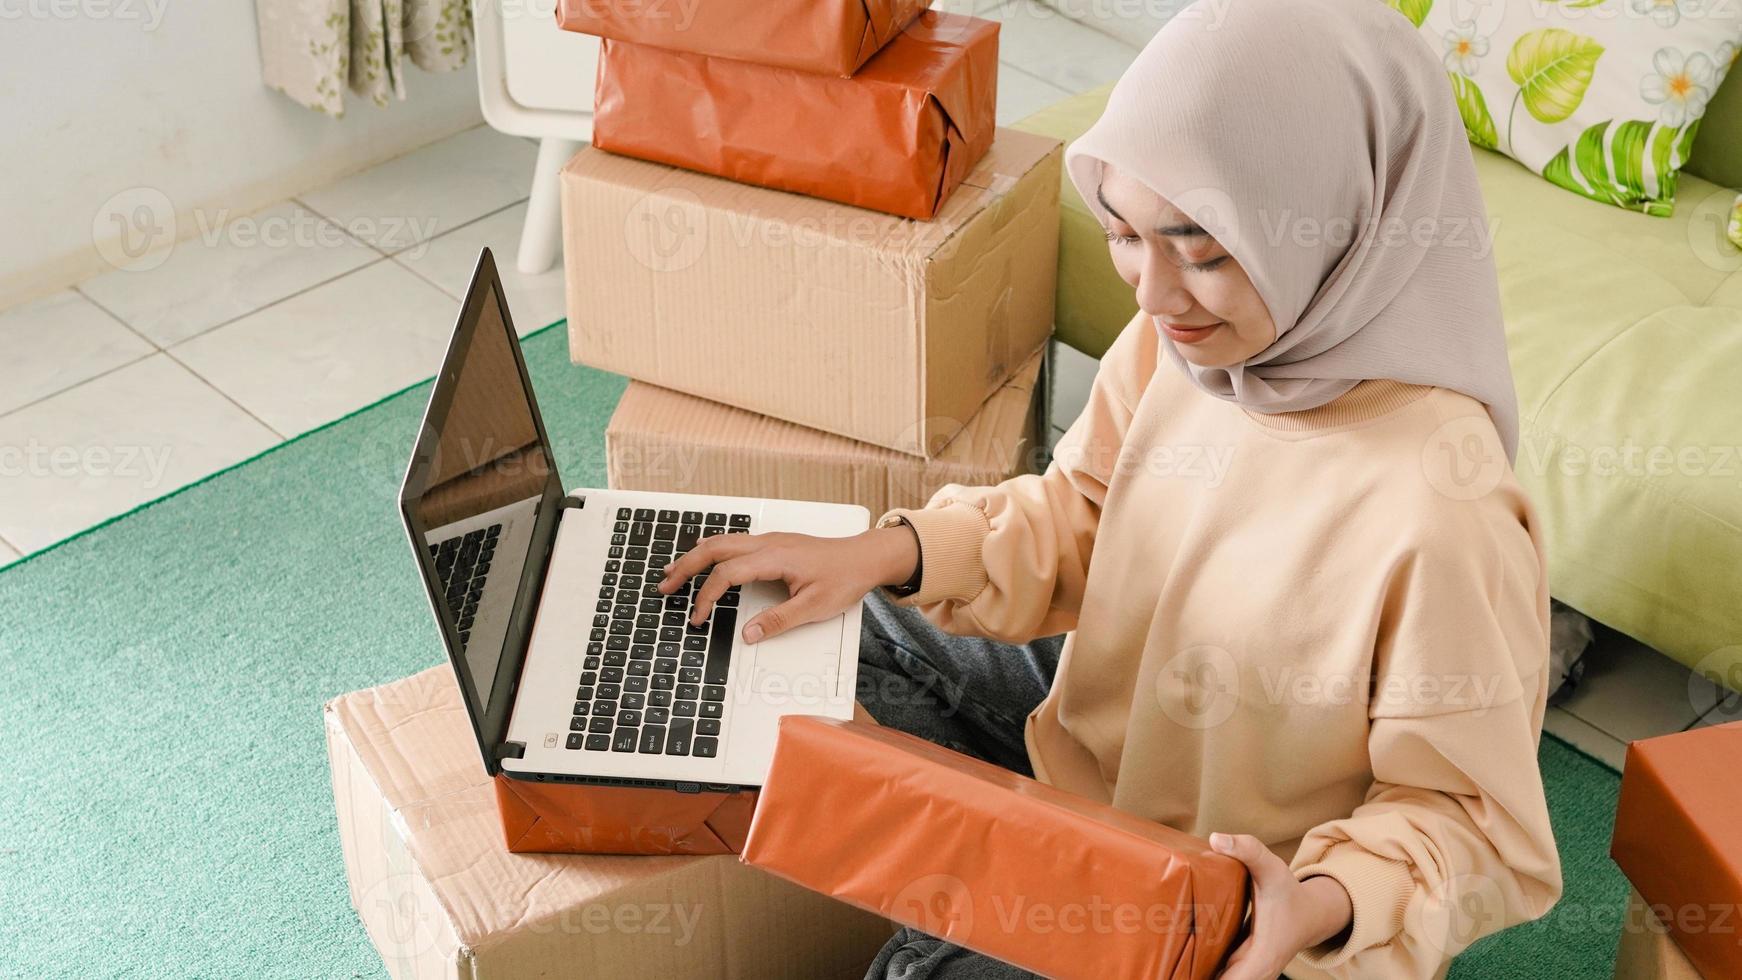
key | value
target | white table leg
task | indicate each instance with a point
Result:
(541, 238)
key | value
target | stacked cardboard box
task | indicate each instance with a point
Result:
(886, 331)
(830, 233)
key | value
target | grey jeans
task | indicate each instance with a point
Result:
(969, 694)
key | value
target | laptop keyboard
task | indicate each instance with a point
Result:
(463, 562)
(652, 683)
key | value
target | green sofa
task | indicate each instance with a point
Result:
(1626, 340)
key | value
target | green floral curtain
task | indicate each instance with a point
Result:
(312, 50)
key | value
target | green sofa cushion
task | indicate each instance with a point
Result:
(1625, 333)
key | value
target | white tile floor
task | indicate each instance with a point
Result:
(263, 326)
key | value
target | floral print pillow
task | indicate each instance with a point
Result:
(1601, 97)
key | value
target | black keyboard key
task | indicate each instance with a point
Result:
(610, 689)
(694, 658)
(598, 743)
(629, 717)
(706, 747)
(633, 701)
(604, 709)
(697, 642)
(670, 634)
(592, 663)
(684, 709)
(711, 530)
(624, 514)
(739, 520)
(677, 737)
(714, 692)
(618, 643)
(665, 667)
(710, 709)
(616, 552)
(588, 679)
(640, 668)
(689, 675)
(715, 517)
(655, 606)
(635, 553)
(600, 725)
(625, 740)
(720, 645)
(604, 606)
(644, 513)
(582, 706)
(635, 684)
(621, 627)
(688, 692)
(737, 530)
(621, 527)
(611, 675)
(668, 516)
(578, 723)
(594, 649)
(691, 517)
(619, 539)
(659, 716)
(707, 726)
(616, 658)
(575, 740)
(659, 699)
(602, 619)
(729, 597)
(687, 536)
(641, 651)
(652, 739)
(640, 532)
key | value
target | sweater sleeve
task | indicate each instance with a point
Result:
(1453, 840)
(1009, 561)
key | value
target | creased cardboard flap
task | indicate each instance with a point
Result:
(990, 860)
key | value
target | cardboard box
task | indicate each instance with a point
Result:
(659, 439)
(877, 328)
(1646, 951)
(898, 137)
(990, 860)
(833, 37)
(441, 897)
(1679, 840)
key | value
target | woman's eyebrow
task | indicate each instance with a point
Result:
(1185, 230)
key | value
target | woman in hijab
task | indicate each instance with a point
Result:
(1303, 598)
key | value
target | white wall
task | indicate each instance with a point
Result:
(99, 97)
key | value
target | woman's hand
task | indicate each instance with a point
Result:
(824, 576)
(1288, 915)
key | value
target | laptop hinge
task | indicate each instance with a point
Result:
(510, 750)
(571, 501)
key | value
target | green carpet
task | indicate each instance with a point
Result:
(167, 810)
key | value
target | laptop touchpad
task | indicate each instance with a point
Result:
(803, 662)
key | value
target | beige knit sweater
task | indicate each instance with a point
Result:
(1327, 628)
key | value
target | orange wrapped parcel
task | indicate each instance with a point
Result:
(568, 818)
(987, 859)
(830, 37)
(897, 137)
(1679, 841)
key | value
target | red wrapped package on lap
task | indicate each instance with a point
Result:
(897, 137)
(990, 860)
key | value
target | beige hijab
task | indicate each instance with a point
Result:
(1319, 142)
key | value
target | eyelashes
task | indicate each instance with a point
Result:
(1207, 266)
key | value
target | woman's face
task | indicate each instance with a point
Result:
(1195, 291)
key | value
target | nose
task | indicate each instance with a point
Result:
(1159, 289)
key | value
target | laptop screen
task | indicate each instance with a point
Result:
(472, 494)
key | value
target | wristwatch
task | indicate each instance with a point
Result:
(911, 586)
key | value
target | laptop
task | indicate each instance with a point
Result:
(572, 665)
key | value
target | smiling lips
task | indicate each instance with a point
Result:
(1189, 334)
